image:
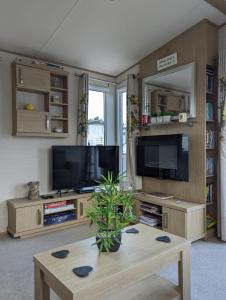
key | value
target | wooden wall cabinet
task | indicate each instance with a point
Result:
(31, 78)
(47, 90)
(33, 122)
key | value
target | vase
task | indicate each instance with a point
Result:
(114, 246)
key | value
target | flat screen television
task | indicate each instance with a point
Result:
(80, 167)
(163, 156)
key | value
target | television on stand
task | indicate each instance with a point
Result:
(81, 167)
(163, 156)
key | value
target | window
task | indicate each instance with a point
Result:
(122, 128)
(96, 116)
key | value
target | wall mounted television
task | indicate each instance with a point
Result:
(80, 167)
(163, 156)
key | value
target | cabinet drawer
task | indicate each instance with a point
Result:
(32, 78)
(28, 218)
(33, 122)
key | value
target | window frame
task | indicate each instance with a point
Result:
(120, 91)
(104, 91)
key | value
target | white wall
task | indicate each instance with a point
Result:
(26, 159)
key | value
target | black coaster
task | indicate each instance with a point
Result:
(132, 230)
(60, 254)
(164, 239)
(82, 271)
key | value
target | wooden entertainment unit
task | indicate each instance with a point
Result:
(182, 218)
(26, 217)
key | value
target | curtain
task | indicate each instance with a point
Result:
(222, 141)
(132, 129)
(82, 117)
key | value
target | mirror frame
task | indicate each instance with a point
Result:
(145, 89)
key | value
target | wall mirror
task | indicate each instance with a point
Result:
(170, 93)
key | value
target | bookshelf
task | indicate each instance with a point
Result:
(211, 141)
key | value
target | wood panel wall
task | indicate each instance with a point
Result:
(199, 45)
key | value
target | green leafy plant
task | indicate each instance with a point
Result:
(222, 106)
(111, 210)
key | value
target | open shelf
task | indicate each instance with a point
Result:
(57, 212)
(58, 224)
(59, 118)
(58, 89)
(58, 104)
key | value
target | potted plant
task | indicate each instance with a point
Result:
(160, 117)
(154, 118)
(111, 210)
(166, 117)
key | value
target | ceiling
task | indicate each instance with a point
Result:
(101, 35)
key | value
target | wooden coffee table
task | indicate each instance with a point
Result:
(128, 274)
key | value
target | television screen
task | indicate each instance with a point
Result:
(76, 167)
(163, 156)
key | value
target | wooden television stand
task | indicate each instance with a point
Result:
(182, 218)
(26, 217)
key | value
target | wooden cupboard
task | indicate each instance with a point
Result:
(31, 78)
(46, 91)
(182, 218)
(174, 221)
(27, 217)
(33, 122)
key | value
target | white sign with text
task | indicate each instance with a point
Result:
(167, 62)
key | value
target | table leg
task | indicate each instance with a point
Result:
(184, 274)
(41, 288)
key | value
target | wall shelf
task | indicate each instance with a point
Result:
(56, 89)
(59, 118)
(58, 104)
(29, 82)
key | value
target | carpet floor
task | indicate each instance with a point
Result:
(208, 264)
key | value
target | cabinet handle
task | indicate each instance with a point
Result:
(81, 209)
(164, 220)
(21, 81)
(39, 217)
(47, 123)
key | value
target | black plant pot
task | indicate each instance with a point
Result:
(114, 246)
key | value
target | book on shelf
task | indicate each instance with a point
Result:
(150, 220)
(210, 139)
(59, 218)
(58, 209)
(151, 208)
(210, 166)
(209, 193)
(210, 81)
(209, 111)
(55, 204)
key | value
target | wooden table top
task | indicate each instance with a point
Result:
(136, 253)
